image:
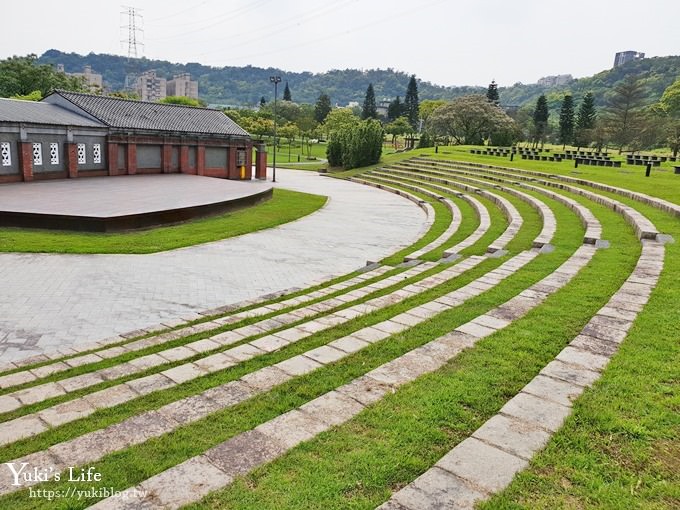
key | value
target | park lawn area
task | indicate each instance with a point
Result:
(283, 207)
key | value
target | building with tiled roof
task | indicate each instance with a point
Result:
(71, 134)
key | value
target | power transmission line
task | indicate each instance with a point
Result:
(132, 27)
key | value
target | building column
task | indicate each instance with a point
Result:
(200, 160)
(26, 160)
(112, 149)
(232, 171)
(261, 162)
(184, 159)
(249, 162)
(166, 159)
(71, 160)
(131, 156)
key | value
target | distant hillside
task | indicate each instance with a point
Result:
(241, 86)
(657, 73)
(246, 85)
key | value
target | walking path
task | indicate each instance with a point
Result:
(52, 300)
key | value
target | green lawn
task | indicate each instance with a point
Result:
(284, 206)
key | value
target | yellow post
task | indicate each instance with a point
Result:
(243, 172)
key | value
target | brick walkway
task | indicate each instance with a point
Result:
(49, 300)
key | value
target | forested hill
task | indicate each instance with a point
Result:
(241, 86)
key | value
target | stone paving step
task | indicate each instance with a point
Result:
(509, 210)
(42, 371)
(38, 393)
(241, 454)
(591, 224)
(644, 229)
(165, 335)
(487, 462)
(157, 422)
(549, 222)
(456, 217)
(659, 203)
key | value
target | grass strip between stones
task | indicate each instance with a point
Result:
(620, 447)
(130, 466)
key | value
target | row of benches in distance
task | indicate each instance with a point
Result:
(596, 160)
(593, 158)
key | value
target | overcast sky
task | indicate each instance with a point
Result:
(446, 42)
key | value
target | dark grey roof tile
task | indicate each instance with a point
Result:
(144, 115)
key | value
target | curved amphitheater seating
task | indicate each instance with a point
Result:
(576, 367)
(28, 425)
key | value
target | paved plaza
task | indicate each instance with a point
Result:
(50, 300)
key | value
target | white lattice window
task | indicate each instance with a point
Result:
(54, 154)
(6, 154)
(97, 153)
(37, 154)
(81, 154)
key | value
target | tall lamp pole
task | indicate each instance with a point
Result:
(275, 80)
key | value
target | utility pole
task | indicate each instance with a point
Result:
(275, 80)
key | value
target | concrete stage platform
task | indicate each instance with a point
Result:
(108, 204)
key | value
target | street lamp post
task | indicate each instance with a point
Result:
(275, 80)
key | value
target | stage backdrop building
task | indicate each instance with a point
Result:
(70, 134)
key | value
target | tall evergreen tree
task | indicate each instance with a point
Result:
(492, 92)
(322, 108)
(395, 109)
(411, 103)
(624, 111)
(567, 120)
(540, 119)
(370, 109)
(585, 120)
(286, 93)
(263, 101)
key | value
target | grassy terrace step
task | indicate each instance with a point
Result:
(644, 229)
(619, 448)
(549, 223)
(525, 234)
(489, 228)
(650, 199)
(393, 441)
(508, 209)
(593, 230)
(481, 212)
(503, 446)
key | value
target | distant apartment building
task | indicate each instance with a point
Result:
(93, 80)
(150, 87)
(626, 56)
(182, 85)
(552, 81)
